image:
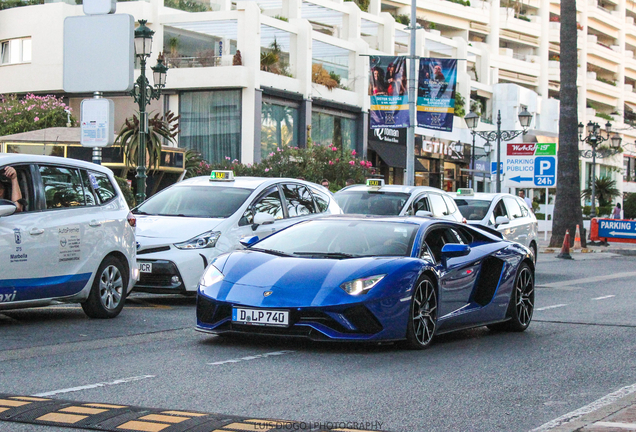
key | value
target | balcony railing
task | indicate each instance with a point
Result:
(191, 62)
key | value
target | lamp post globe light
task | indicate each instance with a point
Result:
(143, 93)
(594, 138)
(472, 120)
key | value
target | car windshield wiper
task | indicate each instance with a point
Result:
(139, 212)
(271, 251)
(326, 254)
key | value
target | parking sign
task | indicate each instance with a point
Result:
(529, 165)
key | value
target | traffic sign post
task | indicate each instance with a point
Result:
(530, 165)
(616, 230)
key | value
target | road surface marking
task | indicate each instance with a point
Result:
(550, 307)
(604, 297)
(630, 426)
(597, 404)
(588, 280)
(96, 385)
(254, 357)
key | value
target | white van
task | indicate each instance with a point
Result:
(69, 238)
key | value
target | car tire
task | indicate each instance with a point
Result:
(521, 304)
(535, 252)
(422, 323)
(108, 293)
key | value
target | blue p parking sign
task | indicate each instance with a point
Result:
(545, 171)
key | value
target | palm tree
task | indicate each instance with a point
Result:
(159, 128)
(605, 191)
(567, 208)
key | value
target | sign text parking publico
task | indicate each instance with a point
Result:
(530, 165)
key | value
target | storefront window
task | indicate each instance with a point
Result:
(279, 127)
(334, 129)
(211, 124)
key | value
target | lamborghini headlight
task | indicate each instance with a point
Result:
(211, 275)
(362, 285)
(206, 240)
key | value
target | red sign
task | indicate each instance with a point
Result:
(521, 149)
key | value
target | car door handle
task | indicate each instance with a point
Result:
(36, 231)
(95, 223)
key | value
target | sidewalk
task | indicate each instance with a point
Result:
(616, 248)
(615, 412)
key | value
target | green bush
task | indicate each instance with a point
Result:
(629, 206)
(600, 211)
(125, 190)
(313, 164)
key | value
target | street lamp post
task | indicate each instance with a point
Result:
(594, 139)
(143, 93)
(524, 118)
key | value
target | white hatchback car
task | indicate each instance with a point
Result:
(376, 198)
(504, 212)
(182, 228)
(73, 240)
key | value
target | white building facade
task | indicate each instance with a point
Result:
(243, 75)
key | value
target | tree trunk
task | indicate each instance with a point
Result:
(567, 206)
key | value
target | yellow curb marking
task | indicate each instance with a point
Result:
(185, 413)
(12, 403)
(4, 409)
(82, 410)
(27, 398)
(143, 426)
(99, 405)
(240, 426)
(61, 418)
(163, 418)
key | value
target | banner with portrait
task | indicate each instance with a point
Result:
(388, 90)
(436, 93)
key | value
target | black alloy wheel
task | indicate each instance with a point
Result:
(423, 315)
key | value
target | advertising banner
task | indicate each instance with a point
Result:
(436, 93)
(388, 90)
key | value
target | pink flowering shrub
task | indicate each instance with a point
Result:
(313, 164)
(31, 112)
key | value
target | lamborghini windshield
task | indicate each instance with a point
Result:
(342, 239)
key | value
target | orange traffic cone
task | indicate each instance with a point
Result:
(577, 239)
(565, 249)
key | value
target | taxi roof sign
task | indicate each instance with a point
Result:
(375, 182)
(465, 191)
(222, 176)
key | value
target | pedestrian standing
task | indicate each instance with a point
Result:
(527, 200)
(617, 213)
(325, 183)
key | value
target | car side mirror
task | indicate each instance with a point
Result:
(453, 250)
(248, 241)
(7, 208)
(501, 220)
(424, 213)
(262, 219)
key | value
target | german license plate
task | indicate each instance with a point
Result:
(145, 267)
(262, 317)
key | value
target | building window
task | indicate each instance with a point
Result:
(211, 124)
(15, 51)
(279, 125)
(331, 128)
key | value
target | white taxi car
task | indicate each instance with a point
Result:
(182, 228)
(504, 212)
(376, 198)
(69, 238)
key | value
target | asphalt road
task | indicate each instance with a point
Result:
(579, 347)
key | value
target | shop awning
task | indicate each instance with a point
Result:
(394, 155)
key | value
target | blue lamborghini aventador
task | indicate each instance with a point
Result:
(356, 278)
